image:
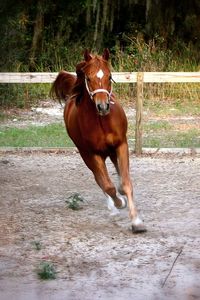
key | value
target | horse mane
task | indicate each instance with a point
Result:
(78, 87)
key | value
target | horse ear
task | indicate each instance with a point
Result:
(87, 55)
(106, 54)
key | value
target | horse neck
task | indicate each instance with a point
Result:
(86, 100)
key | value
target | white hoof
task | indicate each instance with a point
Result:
(124, 201)
(137, 221)
(111, 206)
(138, 226)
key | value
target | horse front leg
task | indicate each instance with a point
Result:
(96, 164)
(114, 159)
(127, 188)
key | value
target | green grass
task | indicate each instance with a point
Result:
(46, 271)
(163, 134)
(187, 139)
(173, 108)
(159, 133)
(73, 202)
(155, 126)
(53, 135)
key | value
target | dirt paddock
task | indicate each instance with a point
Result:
(96, 256)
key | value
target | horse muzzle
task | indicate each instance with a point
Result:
(103, 108)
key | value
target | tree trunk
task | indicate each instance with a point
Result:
(37, 35)
(160, 18)
(97, 24)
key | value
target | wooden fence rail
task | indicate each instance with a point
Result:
(123, 77)
(119, 77)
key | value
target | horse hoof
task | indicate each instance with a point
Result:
(139, 228)
(124, 202)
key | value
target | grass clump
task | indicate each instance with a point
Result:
(46, 271)
(73, 201)
(37, 245)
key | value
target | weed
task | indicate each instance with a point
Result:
(37, 245)
(46, 271)
(74, 201)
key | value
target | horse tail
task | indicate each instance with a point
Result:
(63, 85)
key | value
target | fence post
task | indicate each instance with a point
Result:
(139, 114)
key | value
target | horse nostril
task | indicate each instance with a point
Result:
(103, 108)
(99, 107)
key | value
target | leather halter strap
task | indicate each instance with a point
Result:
(92, 93)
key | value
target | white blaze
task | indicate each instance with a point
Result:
(100, 74)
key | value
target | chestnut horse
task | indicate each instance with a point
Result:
(97, 125)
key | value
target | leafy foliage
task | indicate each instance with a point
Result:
(51, 35)
(48, 36)
(46, 271)
(74, 201)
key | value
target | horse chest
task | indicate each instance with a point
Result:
(100, 137)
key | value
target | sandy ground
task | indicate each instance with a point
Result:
(96, 255)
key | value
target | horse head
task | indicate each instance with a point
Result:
(97, 77)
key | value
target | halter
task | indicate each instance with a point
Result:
(92, 93)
